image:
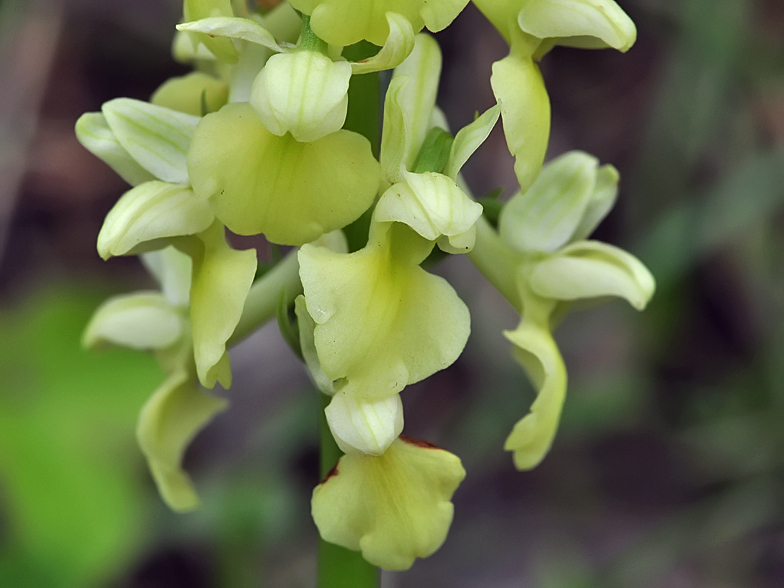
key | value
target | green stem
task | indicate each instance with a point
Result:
(264, 296)
(339, 567)
(496, 262)
(308, 40)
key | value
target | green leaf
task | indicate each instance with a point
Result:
(156, 137)
(395, 507)
(292, 192)
(149, 213)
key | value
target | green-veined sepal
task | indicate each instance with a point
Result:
(364, 426)
(394, 507)
(545, 217)
(156, 137)
(148, 214)
(194, 10)
(304, 93)
(97, 137)
(169, 420)
(241, 29)
(589, 24)
(433, 205)
(142, 320)
(590, 269)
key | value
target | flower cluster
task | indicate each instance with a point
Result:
(253, 142)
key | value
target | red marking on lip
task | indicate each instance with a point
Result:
(418, 442)
(332, 472)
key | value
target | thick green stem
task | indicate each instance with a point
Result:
(339, 567)
(264, 296)
(496, 262)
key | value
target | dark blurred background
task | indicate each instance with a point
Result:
(668, 469)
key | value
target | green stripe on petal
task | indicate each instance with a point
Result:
(149, 213)
(590, 269)
(156, 137)
(170, 419)
(364, 427)
(594, 23)
(418, 97)
(242, 29)
(142, 320)
(525, 109)
(292, 192)
(430, 203)
(544, 217)
(382, 322)
(532, 436)
(222, 277)
(303, 93)
(394, 508)
(398, 46)
(222, 48)
(94, 134)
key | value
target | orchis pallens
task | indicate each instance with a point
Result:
(255, 142)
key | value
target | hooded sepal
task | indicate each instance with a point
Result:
(147, 215)
(394, 507)
(364, 426)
